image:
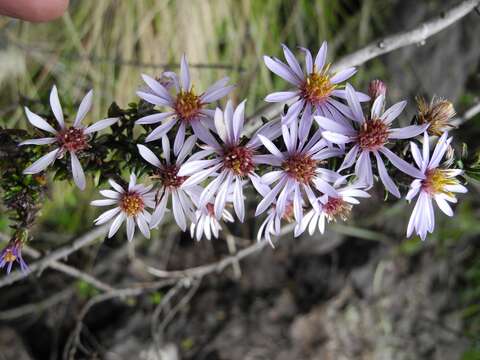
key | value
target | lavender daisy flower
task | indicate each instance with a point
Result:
(316, 89)
(436, 183)
(299, 171)
(186, 106)
(207, 224)
(130, 206)
(271, 226)
(232, 160)
(72, 139)
(167, 173)
(11, 253)
(332, 207)
(371, 136)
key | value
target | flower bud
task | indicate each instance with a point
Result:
(438, 114)
(376, 88)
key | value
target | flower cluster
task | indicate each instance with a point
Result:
(309, 167)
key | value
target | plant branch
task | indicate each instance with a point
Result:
(58, 254)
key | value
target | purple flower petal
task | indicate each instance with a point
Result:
(350, 158)
(38, 122)
(308, 60)
(238, 119)
(216, 94)
(386, 179)
(153, 119)
(130, 228)
(149, 156)
(153, 99)
(282, 70)
(321, 57)
(161, 130)
(407, 132)
(343, 75)
(100, 125)
(270, 197)
(336, 138)
(157, 88)
(41, 141)
(77, 172)
(56, 107)
(116, 224)
(292, 62)
(393, 112)
(42, 163)
(184, 74)
(271, 147)
(281, 96)
(83, 109)
(179, 139)
(401, 164)
(377, 106)
(354, 104)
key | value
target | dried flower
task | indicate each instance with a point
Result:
(438, 114)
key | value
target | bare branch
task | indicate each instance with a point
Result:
(58, 254)
(70, 270)
(380, 47)
(467, 115)
(218, 266)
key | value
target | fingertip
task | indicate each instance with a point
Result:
(35, 11)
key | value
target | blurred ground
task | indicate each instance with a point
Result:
(362, 292)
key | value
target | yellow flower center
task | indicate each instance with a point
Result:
(9, 256)
(132, 203)
(317, 86)
(436, 180)
(187, 105)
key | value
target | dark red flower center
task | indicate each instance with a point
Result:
(239, 160)
(373, 134)
(72, 139)
(337, 207)
(300, 167)
(169, 178)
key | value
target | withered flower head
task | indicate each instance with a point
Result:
(438, 114)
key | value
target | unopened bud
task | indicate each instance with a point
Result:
(438, 114)
(376, 88)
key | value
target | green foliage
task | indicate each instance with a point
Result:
(156, 297)
(472, 354)
(85, 290)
